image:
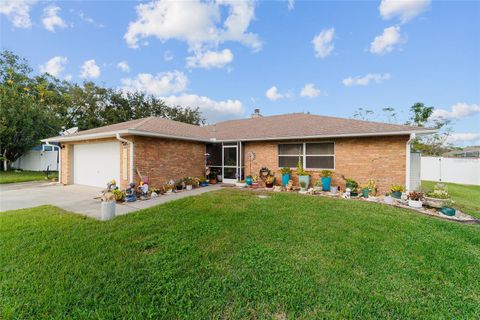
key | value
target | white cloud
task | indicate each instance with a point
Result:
(273, 94)
(310, 91)
(213, 110)
(90, 69)
(404, 9)
(459, 110)
(387, 41)
(466, 138)
(158, 85)
(210, 59)
(196, 22)
(51, 19)
(90, 20)
(322, 43)
(123, 66)
(54, 66)
(168, 56)
(18, 12)
(290, 4)
(365, 80)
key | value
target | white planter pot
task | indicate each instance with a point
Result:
(388, 200)
(415, 203)
(189, 187)
(334, 189)
(107, 211)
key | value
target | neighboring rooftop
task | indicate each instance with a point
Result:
(286, 126)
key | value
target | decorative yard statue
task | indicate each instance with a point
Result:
(131, 197)
(143, 188)
(346, 195)
(290, 185)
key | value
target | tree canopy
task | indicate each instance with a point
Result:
(33, 107)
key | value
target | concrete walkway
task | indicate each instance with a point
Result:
(84, 200)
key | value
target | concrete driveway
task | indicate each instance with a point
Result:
(84, 200)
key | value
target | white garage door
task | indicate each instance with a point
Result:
(94, 164)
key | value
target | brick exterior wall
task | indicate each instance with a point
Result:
(382, 159)
(165, 159)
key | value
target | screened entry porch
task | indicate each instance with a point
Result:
(226, 160)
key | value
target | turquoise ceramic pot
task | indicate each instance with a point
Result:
(285, 179)
(249, 181)
(326, 181)
(448, 211)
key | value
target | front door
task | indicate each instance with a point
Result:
(230, 163)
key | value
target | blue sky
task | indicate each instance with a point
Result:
(228, 58)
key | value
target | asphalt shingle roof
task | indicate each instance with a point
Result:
(295, 125)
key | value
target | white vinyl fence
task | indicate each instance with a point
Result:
(36, 160)
(456, 170)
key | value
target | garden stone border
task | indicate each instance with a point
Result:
(460, 217)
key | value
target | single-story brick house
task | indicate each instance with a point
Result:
(164, 149)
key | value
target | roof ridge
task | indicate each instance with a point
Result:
(144, 120)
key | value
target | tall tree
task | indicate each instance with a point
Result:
(24, 118)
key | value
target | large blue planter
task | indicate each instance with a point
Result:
(326, 181)
(305, 179)
(285, 179)
(248, 181)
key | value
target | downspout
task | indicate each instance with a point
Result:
(407, 178)
(59, 159)
(131, 154)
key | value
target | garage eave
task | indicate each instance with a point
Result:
(81, 137)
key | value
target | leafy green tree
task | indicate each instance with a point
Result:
(24, 118)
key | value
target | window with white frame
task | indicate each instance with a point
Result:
(314, 155)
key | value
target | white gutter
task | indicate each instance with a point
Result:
(407, 178)
(59, 160)
(131, 154)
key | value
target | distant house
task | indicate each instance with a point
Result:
(468, 152)
(39, 158)
(163, 149)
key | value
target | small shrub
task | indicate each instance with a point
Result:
(326, 173)
(286, 170)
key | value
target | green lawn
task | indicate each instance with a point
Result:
(23, 176)
(232, 255)
(466, 197)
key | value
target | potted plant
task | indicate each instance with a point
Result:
(180, 185)
(372, 187)
(168, 188)
(397, 191)
(213, 177)
(188, 183)
(352, 185)
(447, 210)
(269, 181)
(317, 186)
(415, 199)
(286, 173)
(255, 182)
(439, 197)
(303, 176)
(202, 182)
(388, 198)
(303, 186)
(365, 190)
(326, 179)
(249, 180)
(334, 189)
(119, 195)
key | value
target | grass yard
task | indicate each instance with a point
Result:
(466, 197)
(232, 255)
(24, 176)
